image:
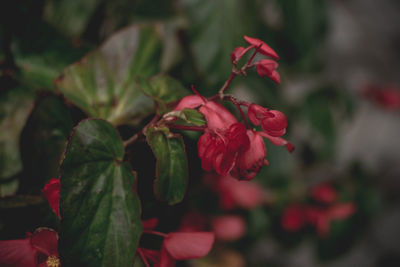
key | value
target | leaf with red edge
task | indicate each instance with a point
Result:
(100, 212)
(184, 246)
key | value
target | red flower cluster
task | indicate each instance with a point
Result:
(296, 216)
(39, 249)
(227, 146)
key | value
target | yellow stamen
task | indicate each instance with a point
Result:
(53, 261)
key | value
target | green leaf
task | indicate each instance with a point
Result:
(15, 105)
(70, 17)
(188, 116)
(102, 83)
(163, 90)
(100, 213)
(43, 141)
(171, 169)
(41, 60)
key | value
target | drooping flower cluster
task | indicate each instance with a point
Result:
(319, 215)
(227, 145)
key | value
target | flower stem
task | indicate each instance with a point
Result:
(154, 233)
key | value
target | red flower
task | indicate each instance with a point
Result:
(51, 192)
(235, 193)
(324, 193)
(37, 250)
(273, 122)
(228, 227)
(386, 96)
(267, 67)
(252, 159)
(293, 218)
(262, 47)
(219, 149)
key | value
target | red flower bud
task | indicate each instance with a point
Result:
(51, 193)
(264, 49)
(266, 67)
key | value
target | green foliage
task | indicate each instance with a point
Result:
(163, 90)
(216, 28)
(43, 141)
(188, 116)
(171, 171)
(100, 212)
(102, 83)
(15, 105)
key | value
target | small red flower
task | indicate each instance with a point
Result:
(273, 122)
(324, 193)
(293, 218)
(51, 192)
(228, 227)
(386, 96)
(267, 67)
(252, 159)
(263, 47)
(37, 250)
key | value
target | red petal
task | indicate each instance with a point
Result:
(184, 246)
(278, 141)
(229, 227)
(276, 125)
(237, 54)
(217, 116)
(45, 240)
(275, 77)
(152, 255)
(150, 223)
(51, 192)
(17, 253)
(264, 49)
(265, 67)
(165, 258)
(250, 161)
(190, 101)
(256, 113)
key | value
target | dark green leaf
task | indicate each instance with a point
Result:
(102, 83)
(163, 90)
(171, 170)
(100, 213)
(41, 60)
(15, 105)
(43, 141)
(69, 17)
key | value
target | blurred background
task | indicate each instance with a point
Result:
(339, 66)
